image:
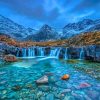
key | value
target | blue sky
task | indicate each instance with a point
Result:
(56, 13)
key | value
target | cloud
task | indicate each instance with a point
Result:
(53, 12)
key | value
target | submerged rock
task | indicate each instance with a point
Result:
(84, 85)
(65, 77)
(42, 80)
(10, 58)
(44, 88)
(50, 96)
(16, 88)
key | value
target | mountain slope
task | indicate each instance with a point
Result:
(46, 33)
(89, 38)
(13, 29)
(85, 25)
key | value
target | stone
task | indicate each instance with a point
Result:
(68, 98)
(49, 73)
(50, 96)
(29, 86)
(10, 58)
(4, 91)
(2, 73)
(84, 85)
(39, 94)
(94, 95)
(66, 90)
(65, 77)
(42, 80)
(44, 88)
(16, 88)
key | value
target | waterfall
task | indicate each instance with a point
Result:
(81, 53)
(66, 54)
(17, 55)
(58, 52)
(24, 52)
(31, 52)
(41, 51)
(55, 52)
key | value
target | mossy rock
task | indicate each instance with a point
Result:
(72, 61)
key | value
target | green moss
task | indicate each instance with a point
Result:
(72, 61)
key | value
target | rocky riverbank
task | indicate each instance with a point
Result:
(91, 52)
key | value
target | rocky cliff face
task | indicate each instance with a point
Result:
(90, 52)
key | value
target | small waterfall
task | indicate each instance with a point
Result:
(55, 52)
(66, 54)
(58, 52)
(17, 55)
(31, 52)
(81, 53)
(24, 52)
(41, 51)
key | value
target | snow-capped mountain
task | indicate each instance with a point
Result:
(13, 29)
(85, 25)
(46, 33)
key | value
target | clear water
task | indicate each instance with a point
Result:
(25, 72)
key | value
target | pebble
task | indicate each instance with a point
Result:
(39, 94)
(50, 96)
(44, 88)
(2, 73)
(93, 94)
(4, 91)
(66, 90)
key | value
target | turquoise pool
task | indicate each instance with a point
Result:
(17, 80)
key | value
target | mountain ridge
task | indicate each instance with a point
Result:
(46, 32)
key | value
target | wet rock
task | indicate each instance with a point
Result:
(42, 80)
(16, 88)
(3, 82)
(66, 91)
(44, 88)
(50, 96)
(10, 58)
(52, 79)
(29, 86)
(84, 85)
(65, 77)
(77, 96)
(2, 73)
(68, 98)
(49, 73)
(39, 94)
(94, 95)
(4, 92)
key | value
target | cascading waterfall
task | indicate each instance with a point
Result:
(55, 52)
(24, 52)
(66, 54)
(41, 51)
(31, 52)
(81, 53)
(17, 55)
(58, 52)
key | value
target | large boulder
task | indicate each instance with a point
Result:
(10, 58)
(42, 80)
